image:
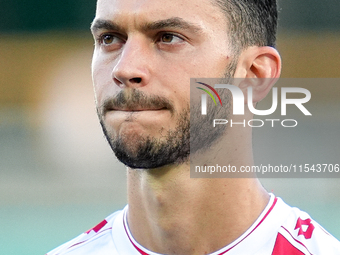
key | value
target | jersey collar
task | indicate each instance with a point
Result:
(262, 231)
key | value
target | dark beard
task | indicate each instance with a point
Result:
(148, 152)
(176, 146)
(202, 135)
(151, 152)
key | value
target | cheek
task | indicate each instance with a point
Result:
(103, 83)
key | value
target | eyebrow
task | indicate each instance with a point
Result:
(101, 24)
(175, 22)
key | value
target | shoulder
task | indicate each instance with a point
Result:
(91, 240)
(300, 234)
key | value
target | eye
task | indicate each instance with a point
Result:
(109, 39)
(170, 38)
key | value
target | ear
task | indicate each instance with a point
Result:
(262, 67)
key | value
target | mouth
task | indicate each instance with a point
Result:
(135, 102)
(135, 109)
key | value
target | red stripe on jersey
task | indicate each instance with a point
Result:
(264, 217)
(136, 247)
(98, 227)
(296, 240)
(283, 246)
(89, 238)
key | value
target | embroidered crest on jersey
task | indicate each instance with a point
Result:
(310, 228)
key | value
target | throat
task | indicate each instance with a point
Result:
(172, 215)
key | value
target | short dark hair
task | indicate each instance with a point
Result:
(250, 22)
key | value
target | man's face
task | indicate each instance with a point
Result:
(146, 51)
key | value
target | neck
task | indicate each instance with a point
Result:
(171, 213)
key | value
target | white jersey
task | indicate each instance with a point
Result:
(279, 230)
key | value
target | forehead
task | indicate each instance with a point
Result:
(202, 12)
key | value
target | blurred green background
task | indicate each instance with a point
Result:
(58, 177)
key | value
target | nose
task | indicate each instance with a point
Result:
(132, 68)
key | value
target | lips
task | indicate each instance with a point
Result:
(132, 107)
(135, 101)
(138, 109)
